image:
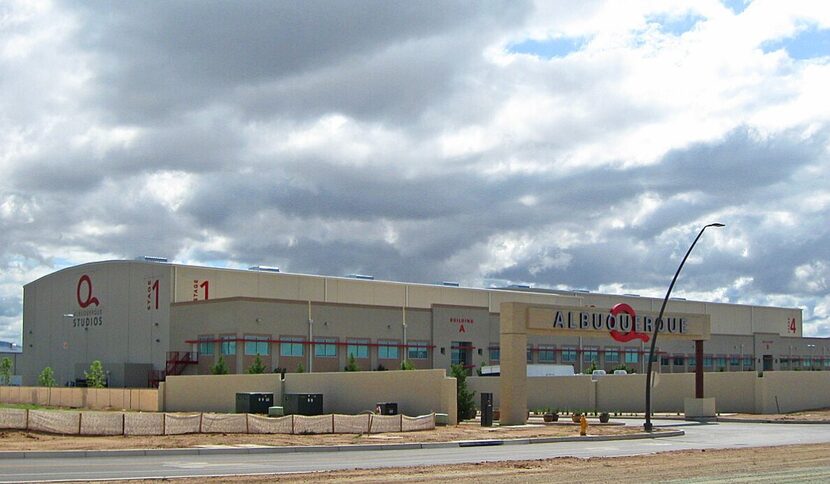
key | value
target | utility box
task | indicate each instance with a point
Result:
(303, 403)
(387, 408)
(254, 402)
(486, 409)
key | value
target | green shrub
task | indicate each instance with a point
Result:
(464, 397)
(46, 377)
(96, 377)
(220, 368)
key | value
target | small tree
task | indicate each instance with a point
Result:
(300, 368)
(220, 368)
(96, 377)
(352, 364)
(464, 397)
(46, 377)
(407, 365)
(256, 367)
(5, 371)
(590, 369)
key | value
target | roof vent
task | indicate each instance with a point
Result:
(364, 277)
(519, 286)
(264, 268)
(584, 291)
(150, 258)
(631, 295)
(450, 284)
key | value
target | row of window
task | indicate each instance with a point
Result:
(323, 347)
(569, 354)
(708, 361)
(805, 362)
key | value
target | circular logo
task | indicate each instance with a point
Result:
(90, 299)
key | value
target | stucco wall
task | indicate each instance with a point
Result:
(215, 393)
(796, 390)
(416, 392)
(733, 392)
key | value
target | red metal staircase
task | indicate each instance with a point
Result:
(177, 361)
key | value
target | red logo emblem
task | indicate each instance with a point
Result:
(631, 334)
(90, 299)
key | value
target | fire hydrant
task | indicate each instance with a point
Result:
(583, 425)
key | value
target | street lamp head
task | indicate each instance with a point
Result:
(716, 225)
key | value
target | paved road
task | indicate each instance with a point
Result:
(698, 436)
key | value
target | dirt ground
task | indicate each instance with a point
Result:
(817, 415)
(22, 440)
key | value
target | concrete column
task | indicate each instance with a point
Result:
(513, 364)
(699, 369)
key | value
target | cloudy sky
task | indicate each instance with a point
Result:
(575, 145)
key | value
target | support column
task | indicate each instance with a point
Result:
(699, 369)
(513, 364)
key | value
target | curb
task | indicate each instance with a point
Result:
(52, 454)
(771, 421)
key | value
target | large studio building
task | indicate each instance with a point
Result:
(147, 318)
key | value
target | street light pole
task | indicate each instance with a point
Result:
(647, 426)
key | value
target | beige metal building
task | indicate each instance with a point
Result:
(147, 318)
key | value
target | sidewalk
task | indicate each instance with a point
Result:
(214, 450)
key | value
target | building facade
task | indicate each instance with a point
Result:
(144, 319)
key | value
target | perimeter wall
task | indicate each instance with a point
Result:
(425, 391)
(734, 392)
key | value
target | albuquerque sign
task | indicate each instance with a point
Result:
(621, 322)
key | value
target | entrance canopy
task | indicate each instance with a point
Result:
(620, 323)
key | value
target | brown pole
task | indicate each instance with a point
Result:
(698, 368)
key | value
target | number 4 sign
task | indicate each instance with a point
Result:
(791, 328)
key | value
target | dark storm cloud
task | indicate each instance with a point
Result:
(197, 53)
(743, 176)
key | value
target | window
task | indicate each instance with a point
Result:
(827, 362)
(291, 346)
(734, 360)
(568, 354)
(590, 354)
(359, 348)
(664, 361)
(257, 345)
(530, 353)
(707, 361)
(495, 353)
(547, 354)
(747, 362)
(206, 345)
(325, 347)
(692, 361)
(807, 362)
(631, 356)
(679, 361)
(417, 351)
(612, 355)
(388, 350)
(721, 362)
(228, 345)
